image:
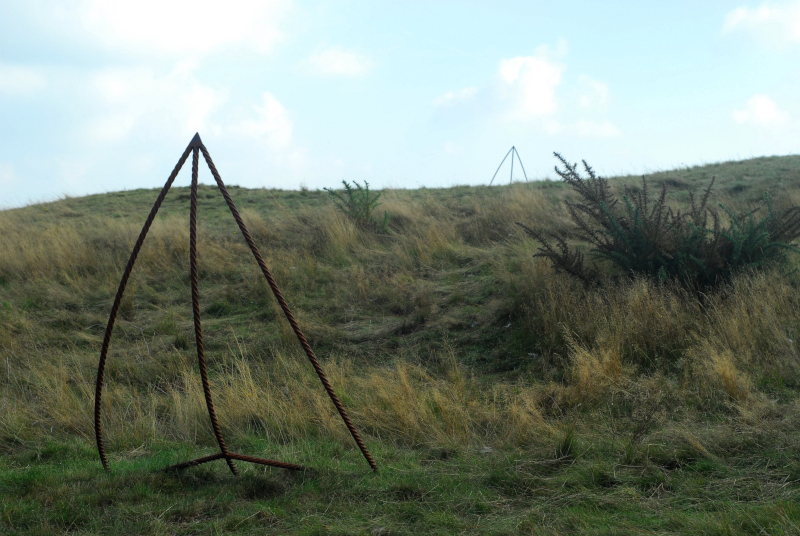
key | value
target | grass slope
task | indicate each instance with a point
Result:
(497, 397)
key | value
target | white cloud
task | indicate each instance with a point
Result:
(528, 85)
(137, 102)
(131, 99)
(760, 110)
(169, 26)
(21, 80)
(452, 98)
(775, 23)
(592, 129)
(272, 124)
(337, 61)
(272, 128)
(594, 93)
(527, 90)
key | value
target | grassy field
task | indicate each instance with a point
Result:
(496, 396)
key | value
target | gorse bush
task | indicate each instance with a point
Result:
(358, 203)
(642, 235)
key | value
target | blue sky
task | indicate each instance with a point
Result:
(99, 95)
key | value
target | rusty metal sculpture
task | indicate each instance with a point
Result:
(195, 147)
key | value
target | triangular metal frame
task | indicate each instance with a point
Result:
(513, 152)
(195, 147)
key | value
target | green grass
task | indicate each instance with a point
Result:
(666, 488)
(496, 396)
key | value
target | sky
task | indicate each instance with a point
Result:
(104, 95)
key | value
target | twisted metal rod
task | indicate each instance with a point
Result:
(286, 311)
(519, 158)
(501, 165)
(98, 390)
(198, 331)
(233, 455)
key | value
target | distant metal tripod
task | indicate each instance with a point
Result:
(513, 152)
(195, 147)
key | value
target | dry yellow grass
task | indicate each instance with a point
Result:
(278, 397)
(449, 266)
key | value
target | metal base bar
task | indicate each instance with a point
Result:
(234, 456)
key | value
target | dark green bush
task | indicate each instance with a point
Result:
(640, 234)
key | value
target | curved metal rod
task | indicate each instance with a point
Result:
(198, 331)
(520, 163)
(511, 176)
(286, 311)
(242, 457)
(194, 146)
(501, 165)
(98, 390)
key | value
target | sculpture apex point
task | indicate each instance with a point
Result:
(196, 140)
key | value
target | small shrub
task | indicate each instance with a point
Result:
(640, 234)
(358, 203)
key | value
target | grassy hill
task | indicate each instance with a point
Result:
(497, 396)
